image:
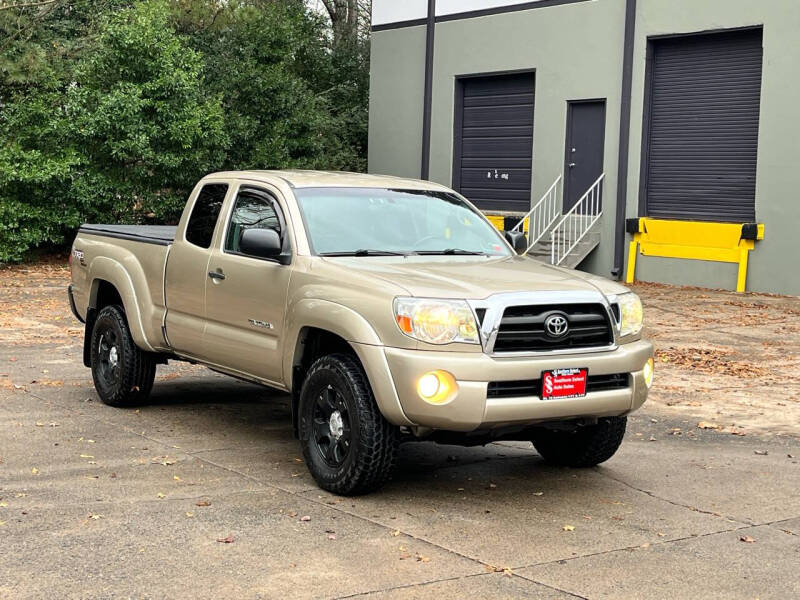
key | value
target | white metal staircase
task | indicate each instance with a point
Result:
(564, 239)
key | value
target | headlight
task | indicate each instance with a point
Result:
(631, 314)
(436, 321)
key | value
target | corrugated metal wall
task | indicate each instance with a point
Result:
(494, 141)
(702, 148)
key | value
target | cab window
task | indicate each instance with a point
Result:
(252, 210)
(200, 229)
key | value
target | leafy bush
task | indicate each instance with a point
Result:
(111, 110)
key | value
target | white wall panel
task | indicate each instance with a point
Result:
(450, 7)
(396, 11)
(385, 12)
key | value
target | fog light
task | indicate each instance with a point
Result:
(437, 387)
(649, 372)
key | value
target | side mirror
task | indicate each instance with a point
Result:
(518, 240)
(262, 243)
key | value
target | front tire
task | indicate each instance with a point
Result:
(583, 447)
(348, 446)
(123, 374)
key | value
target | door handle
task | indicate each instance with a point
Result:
(572, 165)
(218, 275)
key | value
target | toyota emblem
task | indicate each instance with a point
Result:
(556, 325)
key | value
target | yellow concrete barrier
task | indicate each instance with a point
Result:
(694, 240)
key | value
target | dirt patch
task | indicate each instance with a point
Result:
(34, 307)
(732, 359)
(718, 361)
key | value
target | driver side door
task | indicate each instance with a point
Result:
(246, 295)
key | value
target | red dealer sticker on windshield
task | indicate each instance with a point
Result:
(564, 383)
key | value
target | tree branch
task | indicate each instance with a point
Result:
(32, 24)
(7, 6)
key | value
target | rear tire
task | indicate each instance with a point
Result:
(348, 446)
(583, 447)
(123, 374)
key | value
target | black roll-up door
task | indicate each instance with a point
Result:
(702, 146)
(493, 152)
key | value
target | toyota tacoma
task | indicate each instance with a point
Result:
(390, 309)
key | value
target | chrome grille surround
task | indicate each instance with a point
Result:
(495, 306)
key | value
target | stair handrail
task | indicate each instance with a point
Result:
(542, 216)
(569, 231)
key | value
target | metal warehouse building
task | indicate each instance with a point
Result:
(655, 139)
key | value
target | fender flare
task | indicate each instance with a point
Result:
(107, 269)
(362, 337)
(328, 316)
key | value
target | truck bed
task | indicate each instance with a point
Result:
(162, 235)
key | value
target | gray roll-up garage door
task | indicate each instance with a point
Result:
(702, 146)
(493, 151)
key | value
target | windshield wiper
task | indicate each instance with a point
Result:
(452, 251)
(365, 252)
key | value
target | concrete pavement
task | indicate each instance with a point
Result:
(99, 502)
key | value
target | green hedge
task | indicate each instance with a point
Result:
(111, 111)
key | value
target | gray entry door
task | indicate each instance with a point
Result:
(493, 146)
(586, 129)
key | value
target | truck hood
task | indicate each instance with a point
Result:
(474, 277)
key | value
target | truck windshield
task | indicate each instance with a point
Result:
(385, 222)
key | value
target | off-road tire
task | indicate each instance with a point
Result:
(131, 384)
(583, 447)
(373, 445)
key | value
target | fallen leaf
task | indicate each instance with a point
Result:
(189, 514)
(395, 533)
(95, 517)
(86, 456)
(161, 495)
(707, 425)
(203, 503)
(227, 540)
(568, 528)
(35, 471)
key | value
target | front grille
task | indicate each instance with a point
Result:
(522, 328)
(533, 387)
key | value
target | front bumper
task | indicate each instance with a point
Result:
(472, 409)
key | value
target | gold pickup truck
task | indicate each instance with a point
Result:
(390, 309)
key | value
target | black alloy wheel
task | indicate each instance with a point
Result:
(331, 427)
